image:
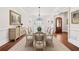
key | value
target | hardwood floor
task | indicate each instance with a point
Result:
(63, 37)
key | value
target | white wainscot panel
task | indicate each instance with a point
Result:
(74, 38)
(3, 36)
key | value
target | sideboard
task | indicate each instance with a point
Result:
(15, 33)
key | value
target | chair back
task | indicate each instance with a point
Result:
(39, 36)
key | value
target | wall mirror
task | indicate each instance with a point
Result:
(15, 18)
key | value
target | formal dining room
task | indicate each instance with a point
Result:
(39, 28)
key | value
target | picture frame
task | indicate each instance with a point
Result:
(75, 17)
(66, 14)
(15, 18)
(67, 21)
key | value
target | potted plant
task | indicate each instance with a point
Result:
(39, 29)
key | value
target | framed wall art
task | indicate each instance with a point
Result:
(15, 18)
(75, 17)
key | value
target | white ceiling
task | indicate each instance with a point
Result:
(46, 13)
(43, 10)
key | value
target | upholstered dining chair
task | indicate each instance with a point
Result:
(39, 41)
(49, 40)
(29, 39)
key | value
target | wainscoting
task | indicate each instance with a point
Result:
(3, 35)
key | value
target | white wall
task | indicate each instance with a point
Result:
(43, 23)
(47, 14)
(4, 22)
(64, 14)
(74, 30)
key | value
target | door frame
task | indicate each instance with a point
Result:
(60, 18)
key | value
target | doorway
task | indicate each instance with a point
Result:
(58, 25)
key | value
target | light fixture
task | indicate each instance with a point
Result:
(39, 18)
(39, 11)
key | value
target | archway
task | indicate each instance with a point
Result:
(58, 25)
